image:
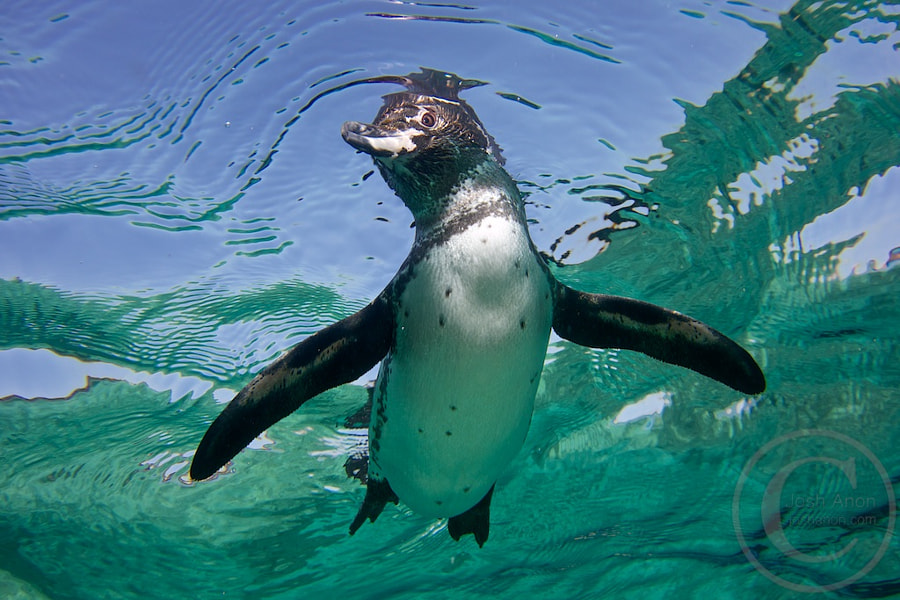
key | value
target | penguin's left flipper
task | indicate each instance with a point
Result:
(601, 321)
(335, 355)
(476, 520)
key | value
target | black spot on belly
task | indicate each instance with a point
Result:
(447, 292)
(441, 320)
(522, 323)
(452, 407)
(406, 313)
(438, 502)
(526, 272)
(466, 490)
(421, 430)
(449, 433)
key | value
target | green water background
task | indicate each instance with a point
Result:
(94, 500)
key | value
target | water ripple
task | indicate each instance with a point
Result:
(547, 38)
(137, 331)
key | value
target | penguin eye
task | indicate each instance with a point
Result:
(428, 119)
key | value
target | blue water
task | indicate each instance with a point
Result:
(177, 208)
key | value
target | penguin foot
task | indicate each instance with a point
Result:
(476, 520)
(378, 493)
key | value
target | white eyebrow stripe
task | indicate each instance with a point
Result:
(444, 101)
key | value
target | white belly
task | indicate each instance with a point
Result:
(454, 399)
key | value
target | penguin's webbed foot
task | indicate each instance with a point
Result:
(378, 494)
(476, 520)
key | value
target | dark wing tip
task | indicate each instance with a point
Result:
(720, 358)
(205, 464)
(230, 433)
(755, 382)
(724, 360)
(201, 471)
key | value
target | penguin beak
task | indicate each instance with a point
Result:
(377, 142)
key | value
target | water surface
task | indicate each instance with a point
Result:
(177, 208)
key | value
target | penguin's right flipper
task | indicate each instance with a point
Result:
(335, 355)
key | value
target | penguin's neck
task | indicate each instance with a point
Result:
(483, 190)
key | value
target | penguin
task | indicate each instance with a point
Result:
(461, 331)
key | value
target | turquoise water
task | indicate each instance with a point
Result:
(177, 208)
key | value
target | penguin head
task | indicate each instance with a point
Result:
(425, 140)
